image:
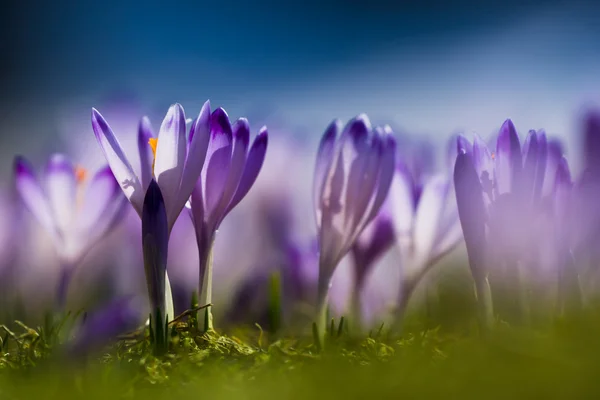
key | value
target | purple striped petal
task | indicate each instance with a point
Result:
(171, 151)
(61, 189)
(241, 140)
(471, 211)
(196, 154)
(118, 162)
(385, 176)
(562, 200)
(31, 193)
(155, 239)
(509, 160)
(145, 133)
(325, 156)
(218, 161)
(377, 238)
(254, 163)
(482, 158)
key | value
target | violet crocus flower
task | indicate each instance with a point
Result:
(376, 239)
(102, 326)
(75, 212)
(513, 181)
(228, 174)
(426, 225)
(171, 159)
(353, 174)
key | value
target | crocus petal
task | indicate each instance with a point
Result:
(102, 205)
(218, 160)
(385, 176)
(241, 140)
(355, 153)
(554, 154)
(428, 215)
(562, 190)
(196, 154)
(171, 152)
(462, 145)
(33, 196)
(155, 239)
(254, 163)
(509, 160)
(367, 181)
(145, 133)
(402, 201)
(471, 211)
(542, 164)
(531, 151)
(118, 162)
(482, 158)
(591, 138)
(325, 156)
(103, 326)
(61, 187)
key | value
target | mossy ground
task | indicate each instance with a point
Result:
(562, 360)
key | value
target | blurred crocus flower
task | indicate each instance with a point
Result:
(171, 159)
(511, 182)
(230, 170)
(75, 212)
(102, 326)
(352, 179)
(375, 240)
(426, 225)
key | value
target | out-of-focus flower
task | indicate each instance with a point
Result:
(173, 160)
(102, 326)
(228, 174)
(375, 240)
(76, 214)
(426, 225)
(352, 179)
(514, 184)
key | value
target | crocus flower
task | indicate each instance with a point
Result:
(352, 179)
(102, 326)
(75, 212)
(376, 239)
(228, 174)
(173, 160)
(512, 183)
(426, 225)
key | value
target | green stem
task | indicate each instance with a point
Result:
(485, 307)
(206, 271)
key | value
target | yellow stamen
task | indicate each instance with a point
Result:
(81, 174)
(153, 142)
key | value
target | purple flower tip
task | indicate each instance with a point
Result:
(22, 166)
(59, 163)
(332, 130)
(563, 174)
(241, 130)
(99, 124)
(219, 123)
(508, 128)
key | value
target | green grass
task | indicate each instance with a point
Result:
(560, 360)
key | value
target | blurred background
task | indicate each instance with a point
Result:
(429, 68)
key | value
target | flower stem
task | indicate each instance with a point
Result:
(66, 274)
(205, 249)
(322, 303)
(485, 307)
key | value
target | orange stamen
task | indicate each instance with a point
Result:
(493, 155)
(153, 142)
(81, 174)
